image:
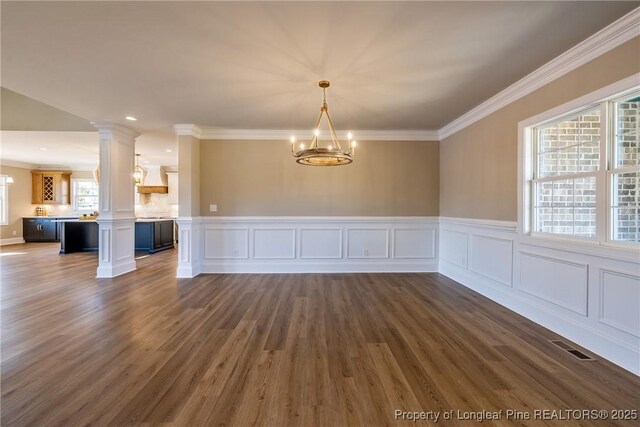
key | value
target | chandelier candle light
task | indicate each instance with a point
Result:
(332, 154)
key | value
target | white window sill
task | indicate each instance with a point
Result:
(611, 250)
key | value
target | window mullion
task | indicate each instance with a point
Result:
(603, 230)
(557, 152)
(566, 177)
(625, 169)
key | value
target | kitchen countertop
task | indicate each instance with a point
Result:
(73, 219)
(76, 219)
(50, 216)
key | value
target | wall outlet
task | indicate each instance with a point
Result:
(236, 252)
(14, 232)
(213, 208)
(365, 252)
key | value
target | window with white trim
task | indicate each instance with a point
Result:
(585, 172)
(85, 195)
(4, 200)
(625, 169)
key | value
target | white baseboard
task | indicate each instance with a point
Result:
(318, 267)
(188, 272)
(587, 295)
(592, 339)
(113, 270)
(11, 241)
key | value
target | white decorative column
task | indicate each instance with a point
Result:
(116, 222)
(190, 246)
(190, 243)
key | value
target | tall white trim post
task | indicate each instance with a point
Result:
(116, 222)
(189, 231)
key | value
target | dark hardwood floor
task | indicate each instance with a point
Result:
(274, 350)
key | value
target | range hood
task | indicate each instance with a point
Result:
(155, 181)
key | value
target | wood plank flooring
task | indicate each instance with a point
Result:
(272, 350)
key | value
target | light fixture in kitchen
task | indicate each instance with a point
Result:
(138, 172)
(330, 155)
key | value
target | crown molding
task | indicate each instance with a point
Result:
(284, 135)
(17, 164)
(44, 167)
(188, 130)
(108, 129)
(610, 37)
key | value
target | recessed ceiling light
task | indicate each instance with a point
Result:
(146, 161)
(43, 149)
(133, 119)
(168, 150)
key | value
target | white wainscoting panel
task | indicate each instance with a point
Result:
(226, 243)
(321, 243)
(455, 249)
(184, 253)
(409, 243)
(105, 245)
(125, 243)
(492, 257)
(274, 243)
(190, 247)
(550, 283)
(561, 282)
(116, 246)
(367, 243)
(620, 300)
(309, 245)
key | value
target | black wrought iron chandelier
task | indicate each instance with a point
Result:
(330, 155)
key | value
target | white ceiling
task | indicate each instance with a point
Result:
(255, 65)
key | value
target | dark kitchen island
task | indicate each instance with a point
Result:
(151, 235)
(78, 235)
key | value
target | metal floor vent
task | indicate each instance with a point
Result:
(566, 347)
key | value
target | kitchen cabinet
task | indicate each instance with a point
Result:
(51, 187)
(154, 235)
(40, 230)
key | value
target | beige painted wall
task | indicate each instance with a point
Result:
(19, 200)
(189, 175)
(478, 165)
(388, 178)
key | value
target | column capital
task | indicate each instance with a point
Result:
(188, 130)
(109, 129)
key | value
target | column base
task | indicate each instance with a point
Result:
(107, 271)
(189, 247)
(187, 272)
(116, 241)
